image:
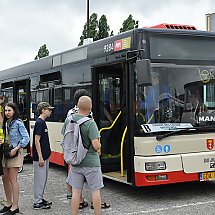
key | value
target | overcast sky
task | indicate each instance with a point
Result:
(25, 25)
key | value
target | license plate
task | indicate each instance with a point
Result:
(207, 176)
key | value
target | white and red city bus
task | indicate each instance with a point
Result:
(158, 86)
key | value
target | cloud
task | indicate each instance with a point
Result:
(25, 25)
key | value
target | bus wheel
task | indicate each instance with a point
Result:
(20, 169)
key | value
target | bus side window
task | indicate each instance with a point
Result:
(68, 101)
(37, 97)
(58, 104)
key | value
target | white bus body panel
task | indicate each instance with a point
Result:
(198, 162)
(55, 136)
(190, 153)
(173, 163)
(181, 144)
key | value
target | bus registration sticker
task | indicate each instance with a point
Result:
(207, 176)
(166, 148)
(158, 149)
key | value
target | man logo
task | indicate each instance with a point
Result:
(206, 118)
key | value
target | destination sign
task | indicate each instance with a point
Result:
(158, 127)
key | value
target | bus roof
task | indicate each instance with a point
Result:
(80, 53)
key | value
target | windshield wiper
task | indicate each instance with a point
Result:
(162, 136)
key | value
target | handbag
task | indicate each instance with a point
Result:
(7, 149)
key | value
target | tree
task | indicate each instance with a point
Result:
(111, 33)
(43, 52)
(103, 28)
(97, 30)
(129, 24)
(93, 26)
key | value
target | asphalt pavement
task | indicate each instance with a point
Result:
(55, 192)
(195, 198)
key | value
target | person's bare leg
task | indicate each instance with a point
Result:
(76, 195)
(7, 187)
(96, 197)
(69, 190)
(13, 172)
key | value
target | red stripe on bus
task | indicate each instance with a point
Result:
(56, 158)
(172, 177)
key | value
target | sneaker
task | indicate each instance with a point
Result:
(69, 196)
(41, 205)
(46, 202)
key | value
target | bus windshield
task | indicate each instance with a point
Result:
(180, 96)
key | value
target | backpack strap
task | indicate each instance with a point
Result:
(80, 121)
(70, 118)
(83, 120)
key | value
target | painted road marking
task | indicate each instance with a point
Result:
(164, 209)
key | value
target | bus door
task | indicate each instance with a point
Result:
(21, 96)
(108, 111)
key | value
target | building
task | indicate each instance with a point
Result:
(210, 22)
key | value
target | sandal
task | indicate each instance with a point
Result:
(69, 196)
(83, 205)
(104, 205)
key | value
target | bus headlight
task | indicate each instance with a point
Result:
(152, 166)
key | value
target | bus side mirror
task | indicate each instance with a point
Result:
(144, 73)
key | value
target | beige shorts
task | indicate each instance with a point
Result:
(14, 162)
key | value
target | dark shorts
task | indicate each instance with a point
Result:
(92, 176)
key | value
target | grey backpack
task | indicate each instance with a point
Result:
(73, 148)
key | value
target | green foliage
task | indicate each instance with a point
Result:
(100, 29)
(93, 25)
(129, 24)
(97, 30)
(83, 36)
(111, 34)
(104, 28)
(43, 52)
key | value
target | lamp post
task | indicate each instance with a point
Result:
(88, 18)
(88, 39)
